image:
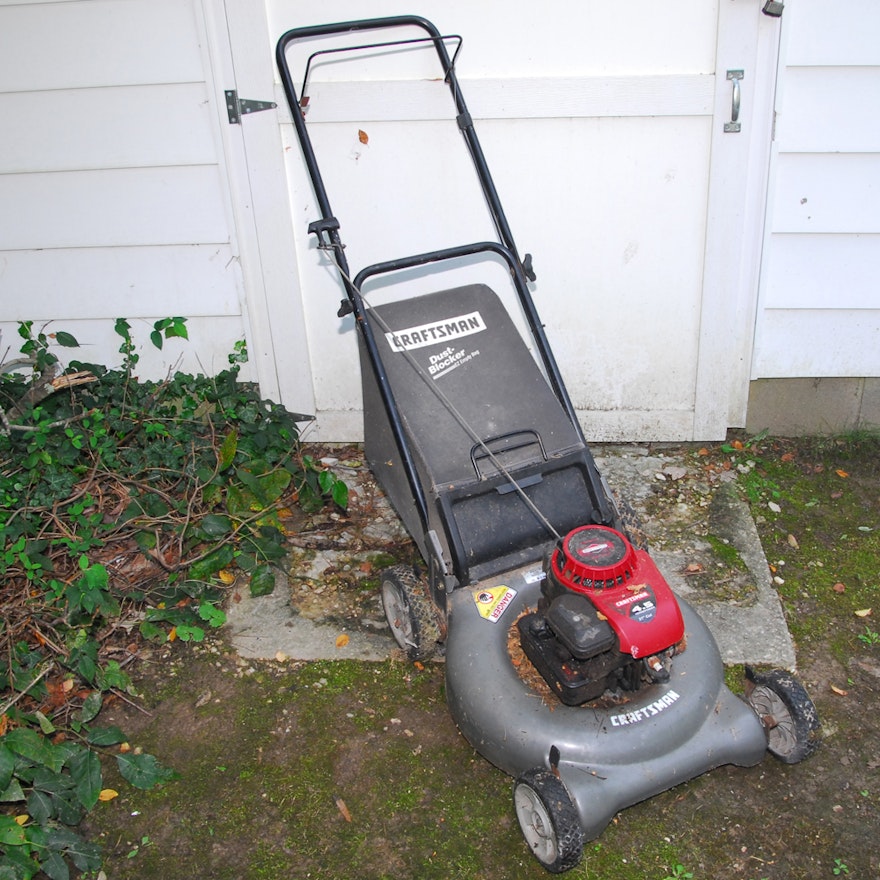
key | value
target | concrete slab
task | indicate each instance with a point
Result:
(270, 628)
(683, 512)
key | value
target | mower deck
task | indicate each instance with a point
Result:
(608, 758)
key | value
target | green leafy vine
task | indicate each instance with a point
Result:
(124, 505)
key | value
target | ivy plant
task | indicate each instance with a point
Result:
(121, 503)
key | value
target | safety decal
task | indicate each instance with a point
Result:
(492, 602)
(438, 331)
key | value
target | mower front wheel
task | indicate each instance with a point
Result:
(787, 713)
(548, 819)
(409, 612)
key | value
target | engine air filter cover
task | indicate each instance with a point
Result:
(594, 558)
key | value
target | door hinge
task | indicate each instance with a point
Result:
(237, 107)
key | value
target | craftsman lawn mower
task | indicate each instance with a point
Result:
(570, 663)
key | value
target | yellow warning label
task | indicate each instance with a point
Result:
(492, 602)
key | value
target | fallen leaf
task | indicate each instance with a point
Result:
(864, 612)
(703, 451)
(363, 137)
(281, 657)
(340, 805)
(793, 542)
(788, 456)
(841, 473)
(839, 587)
(22, 818)
(737, 444)
(839, 691)
(693, 568)
(107, 794)
(226, 576)
(341, 642)
(774, 507)
(419, 666)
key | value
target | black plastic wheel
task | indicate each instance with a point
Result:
(548, 819)
(409, 612)
(787, 713)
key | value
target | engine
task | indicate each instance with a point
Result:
(607, 618)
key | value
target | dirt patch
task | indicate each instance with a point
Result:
(267, 751)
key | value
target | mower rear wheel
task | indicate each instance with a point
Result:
(787, 713)
(409, 612)
(548, 819)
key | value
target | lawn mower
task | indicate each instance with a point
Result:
(570, 663)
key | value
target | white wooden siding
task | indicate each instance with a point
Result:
(820, 298)
(113, 185)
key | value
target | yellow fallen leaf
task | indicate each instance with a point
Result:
(340, 804)
(107, 794)
(173, 634)
(864, 612)
(22, 818)
(124, 747)
(342, 641)
(839, 691)
(281, 657)
(840, 473)
(226, 576)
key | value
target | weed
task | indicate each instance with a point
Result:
(870, 636)
(678, 872)
(839, 868)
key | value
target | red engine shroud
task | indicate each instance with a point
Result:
(624, 584)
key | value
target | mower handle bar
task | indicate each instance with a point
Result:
(327, 228)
